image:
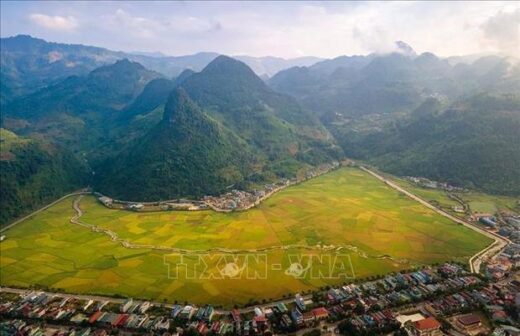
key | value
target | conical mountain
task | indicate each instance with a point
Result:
(187, 154)
(275, 123)
(226, 82)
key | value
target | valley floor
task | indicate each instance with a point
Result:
(345, 214)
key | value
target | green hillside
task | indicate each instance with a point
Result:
(473, 143)
(34, 173)
(186, 154)
(265, 119)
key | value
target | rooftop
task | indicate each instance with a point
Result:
(469, 319)
(427, 324)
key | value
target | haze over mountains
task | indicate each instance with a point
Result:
(30, 63)
(131, 130)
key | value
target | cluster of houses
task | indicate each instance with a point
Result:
(370, 307)
(427, 183)
(177, 204)
(511, 228)
(508, 260)
(243, 200)
(82, 317)
(373, 301)
(500, 266)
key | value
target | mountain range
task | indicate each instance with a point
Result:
(395, 82)
(28, 63)
(130, 131)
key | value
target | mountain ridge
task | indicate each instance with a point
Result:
(186, 154)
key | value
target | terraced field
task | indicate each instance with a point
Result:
(345, 214)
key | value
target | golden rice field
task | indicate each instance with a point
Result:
(358, 226)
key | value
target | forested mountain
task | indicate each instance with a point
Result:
(395, 82)
(29, 64)
(273, 122)
(153, 95)
(419, 115)
(188, 154)
(33, 173)
(117, 110)
(474, 142)
(222, 127)
(75, 111)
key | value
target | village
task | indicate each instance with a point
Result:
(235, 200)
(443, 300)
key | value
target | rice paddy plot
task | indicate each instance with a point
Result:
(345, 222)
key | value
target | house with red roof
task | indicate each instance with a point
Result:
(320, 313)
(427, 327)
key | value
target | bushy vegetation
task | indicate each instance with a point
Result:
(33, 174)
(473, 143)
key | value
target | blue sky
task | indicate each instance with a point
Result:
(286, 29)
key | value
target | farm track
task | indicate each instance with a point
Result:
(127, 244)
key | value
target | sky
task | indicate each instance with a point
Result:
(284, 29)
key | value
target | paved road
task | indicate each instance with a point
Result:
(100, 298)
(64, 295)
(476, 260)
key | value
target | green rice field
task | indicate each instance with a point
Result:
(478, 202)
(339, 226)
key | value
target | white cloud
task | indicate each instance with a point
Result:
(169, 26)
(135, 25)
(60, 23)
(192, 25)
(502, 31)
(286, 29)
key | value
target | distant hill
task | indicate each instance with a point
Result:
(269, 65)
(75, 111)
(34, 173)
(473, 142)
(29, 64)
(395, 82)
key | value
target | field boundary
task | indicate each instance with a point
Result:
(475, 261)
(45, 207)
(127, 244)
